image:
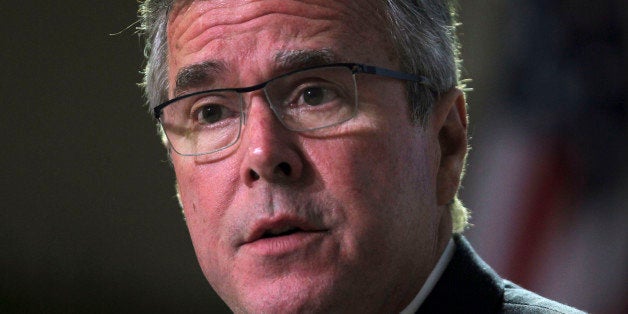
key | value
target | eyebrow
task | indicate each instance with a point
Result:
(295, 59)
(205, 73)
(197, 75)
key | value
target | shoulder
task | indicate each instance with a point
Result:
(519, 300)
(469, 285)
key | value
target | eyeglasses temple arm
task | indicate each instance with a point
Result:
(392, 74)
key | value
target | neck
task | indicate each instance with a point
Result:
(443, 236)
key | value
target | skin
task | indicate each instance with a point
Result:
(369, 195)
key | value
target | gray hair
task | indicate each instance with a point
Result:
(424, 39)
(154, 21)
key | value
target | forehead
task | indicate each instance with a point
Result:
(245, 31)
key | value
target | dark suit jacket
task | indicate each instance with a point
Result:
(469, 285)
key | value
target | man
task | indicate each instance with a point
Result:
(318, 148)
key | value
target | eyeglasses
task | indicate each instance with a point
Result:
(308, 99)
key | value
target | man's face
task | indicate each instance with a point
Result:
(344, 218)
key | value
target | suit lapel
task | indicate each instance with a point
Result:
(468, 285)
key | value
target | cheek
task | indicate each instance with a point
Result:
(383, 154)
(383, 186)
(205, 194)
(205, 184)
(375, 172)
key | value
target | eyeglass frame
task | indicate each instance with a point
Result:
(356, 68)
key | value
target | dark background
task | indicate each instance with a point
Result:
(90, 222)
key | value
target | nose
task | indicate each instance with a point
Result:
(273, 153)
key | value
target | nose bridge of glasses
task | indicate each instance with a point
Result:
(285, 95)
(256, 94)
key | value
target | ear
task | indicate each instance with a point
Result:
(449, 122)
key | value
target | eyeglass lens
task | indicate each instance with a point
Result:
(303, 101)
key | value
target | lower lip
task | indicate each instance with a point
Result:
(284, 245)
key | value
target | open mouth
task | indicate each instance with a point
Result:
(282, 237)
(280, 232)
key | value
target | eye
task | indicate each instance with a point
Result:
(210, 114)
(313, 96)
(316, 95)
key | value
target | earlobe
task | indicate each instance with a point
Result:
(449, 122)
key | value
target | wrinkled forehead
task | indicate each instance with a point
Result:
(357, 20)
(236, 43)
(367, 9)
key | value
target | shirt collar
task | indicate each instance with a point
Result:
(432, 279)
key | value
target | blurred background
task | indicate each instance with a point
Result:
(90, 222)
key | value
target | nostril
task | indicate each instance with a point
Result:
(253, 174)
(285, 168)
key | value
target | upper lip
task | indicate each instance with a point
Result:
(277, 225)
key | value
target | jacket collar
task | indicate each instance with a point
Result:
(468, 285)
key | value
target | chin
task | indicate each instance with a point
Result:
(295, 295)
